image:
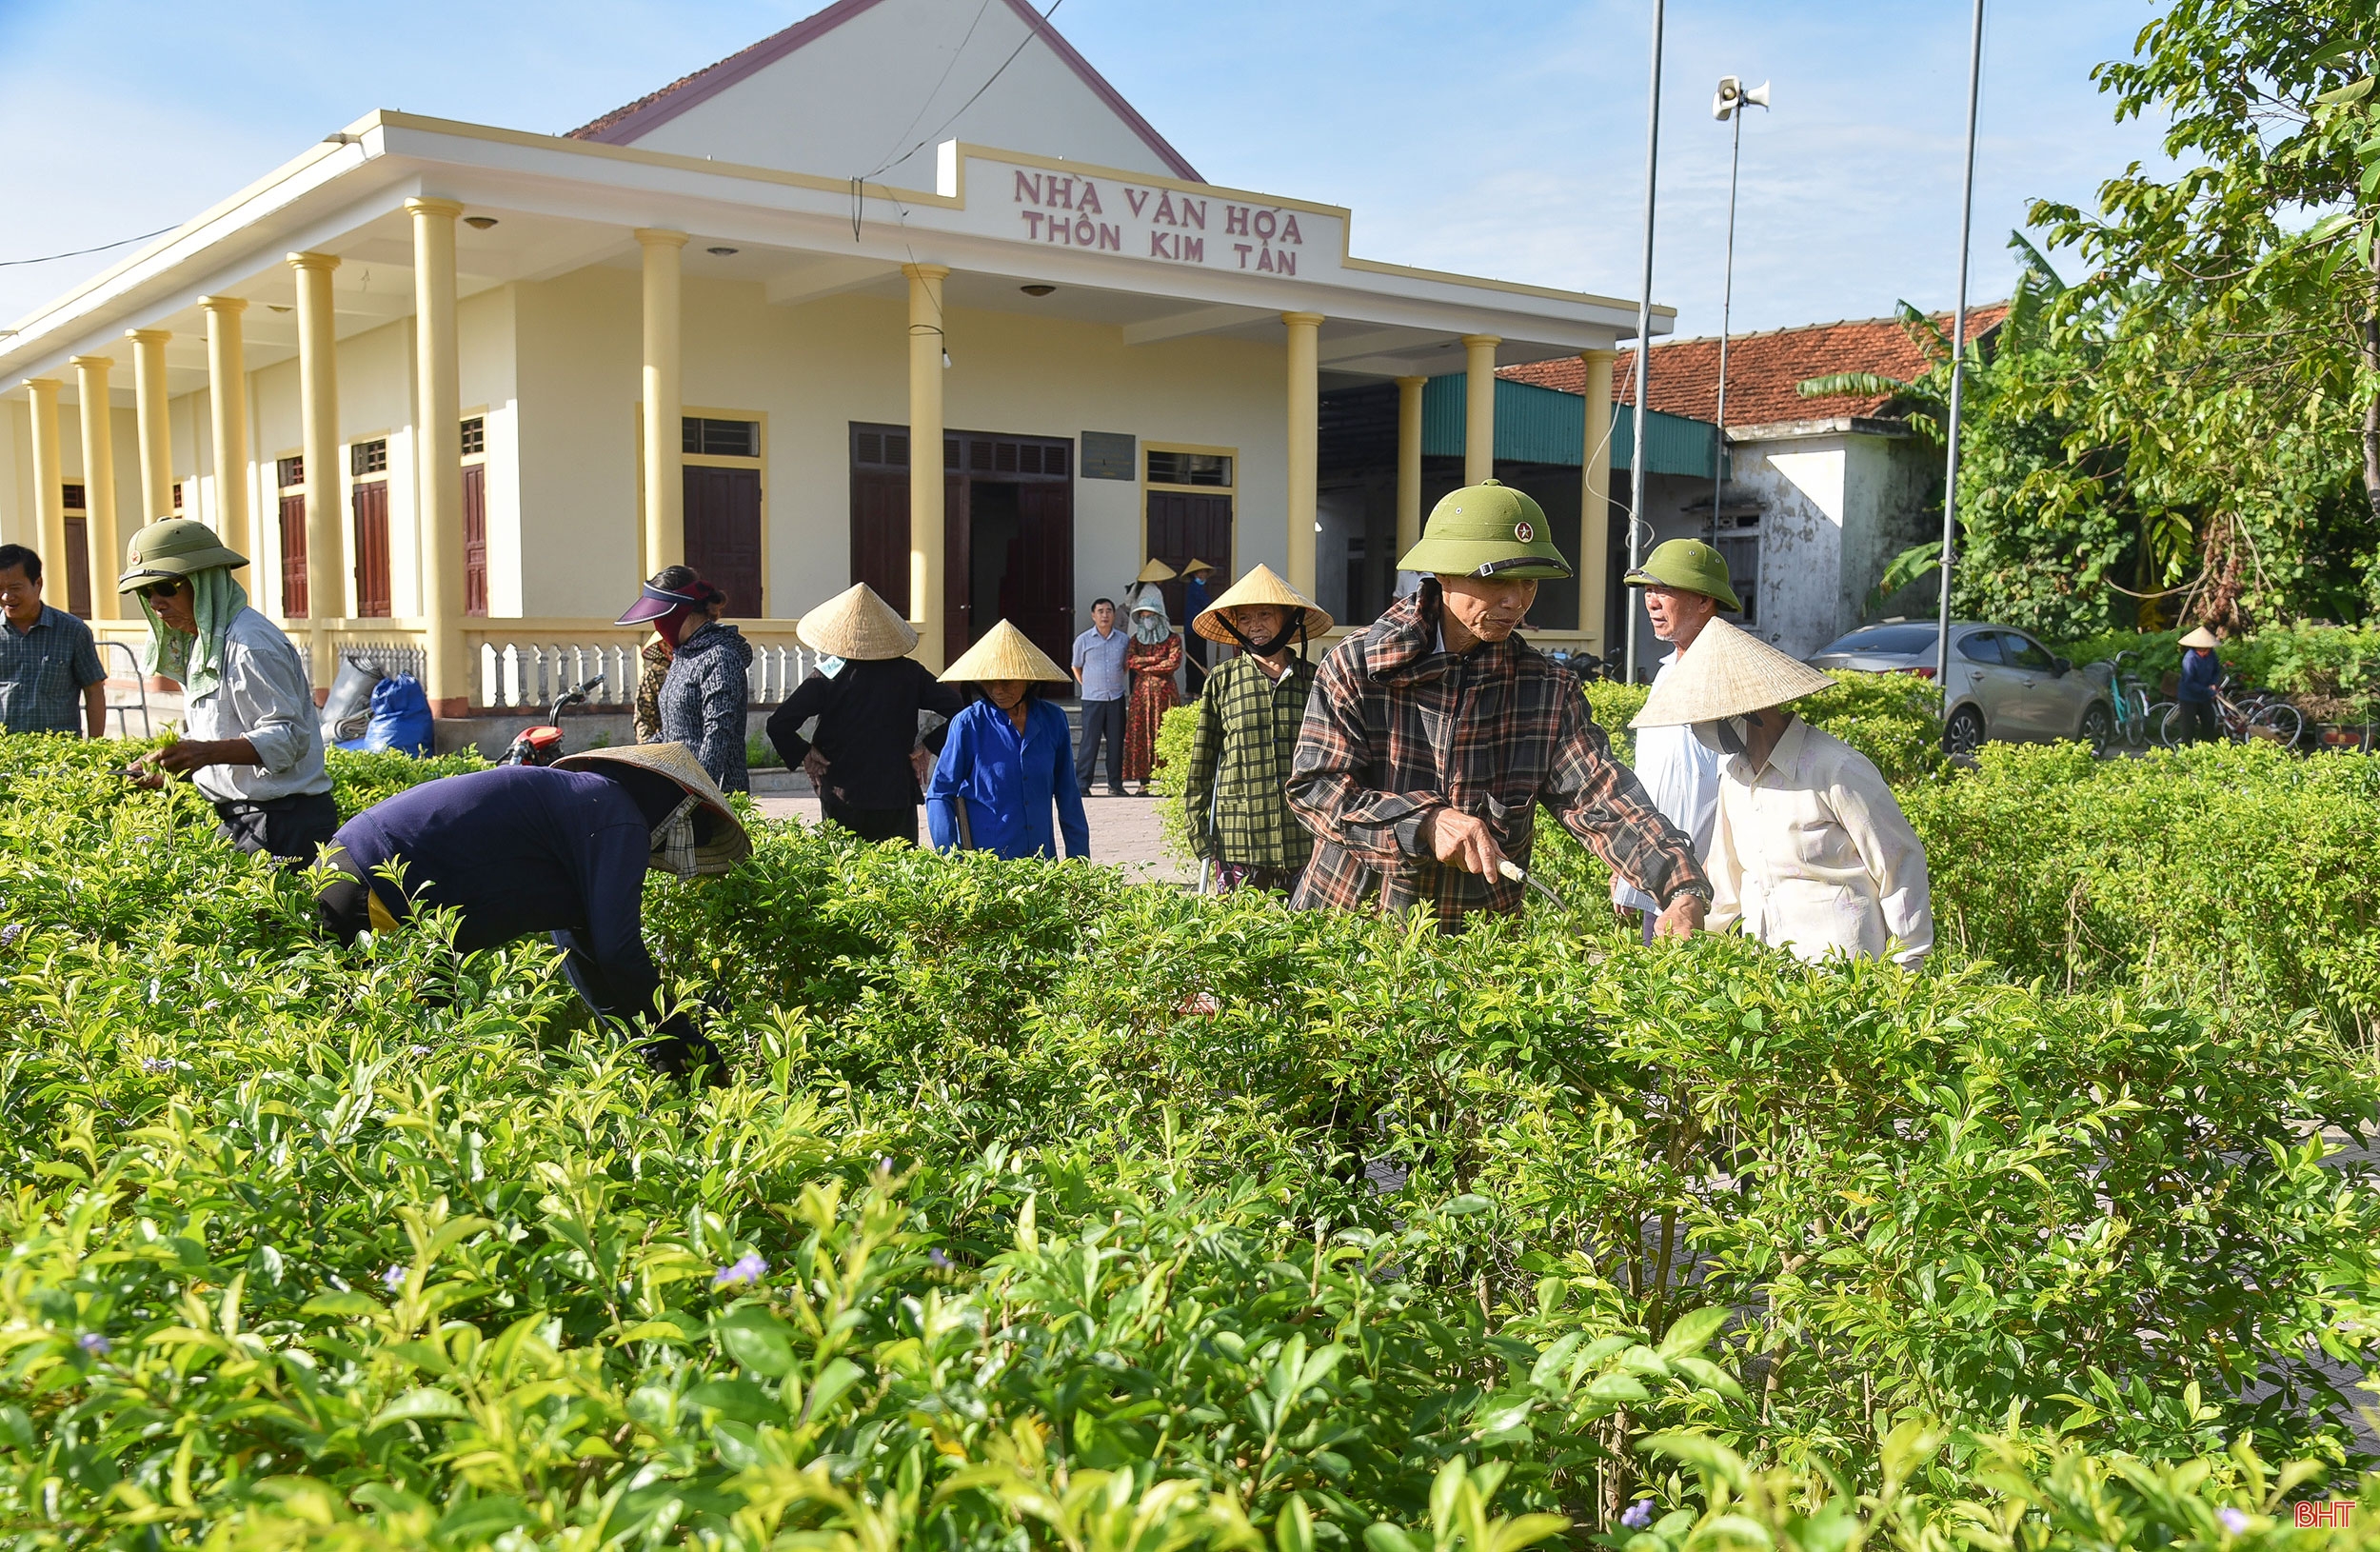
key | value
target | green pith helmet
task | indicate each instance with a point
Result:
(1487, 529)
(1691, 565)
(176, 548)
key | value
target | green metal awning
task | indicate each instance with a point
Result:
(1545, 426)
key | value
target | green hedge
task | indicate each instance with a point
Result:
(1048, 1212)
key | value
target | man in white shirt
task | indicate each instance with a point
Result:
(1685, 587)
(1099, 670)
(1811, 850)
(252, 742)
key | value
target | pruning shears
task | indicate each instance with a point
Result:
(1519, 874)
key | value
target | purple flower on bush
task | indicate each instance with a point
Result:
(392, 1279)
(2233, 1521)
(1637, 1515)
(420, 1050)
(11, 933)
(156, 1066)
(935, 1259)
(95, 1344)
(747, 1268)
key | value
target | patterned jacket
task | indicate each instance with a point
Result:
(1398, 728)
(655, 658)
(704, 702)
(1235, 791)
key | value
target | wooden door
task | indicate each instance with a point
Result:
(1044, 607)
(880, 534)
(1185, 526)
(475, 539)
(371, 550)
(78, 566)
(294, 599)
(722, 533)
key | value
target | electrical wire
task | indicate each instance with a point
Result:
(1031, 33)
(10, 264)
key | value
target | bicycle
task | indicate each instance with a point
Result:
(2132, 710)
(2243, 715)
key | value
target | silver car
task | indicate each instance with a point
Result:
(2004, 685)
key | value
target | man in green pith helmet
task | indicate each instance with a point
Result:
(1685, 587)
(1430, 740)
(251, 739)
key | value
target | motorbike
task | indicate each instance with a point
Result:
(542, 744)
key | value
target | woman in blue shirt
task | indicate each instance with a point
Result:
(1007, 759)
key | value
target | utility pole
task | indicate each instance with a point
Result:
(1644, 335)
(1958, 362)
(1730, 103)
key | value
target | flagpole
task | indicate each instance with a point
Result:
(1644, 336)
(1959, 361)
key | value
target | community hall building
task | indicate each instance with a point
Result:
(456, 388)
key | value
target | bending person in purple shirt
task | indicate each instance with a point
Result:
(562, 850)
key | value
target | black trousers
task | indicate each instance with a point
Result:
(291, 829)
(870, 824)
(2199, 722)
(1101, 719)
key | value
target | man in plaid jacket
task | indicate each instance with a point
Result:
(1430, 740)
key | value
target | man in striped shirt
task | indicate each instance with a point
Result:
(1432, 739)
(48, 660)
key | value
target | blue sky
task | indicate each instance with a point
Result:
(1503, 140)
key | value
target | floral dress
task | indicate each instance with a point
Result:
(1152, 670)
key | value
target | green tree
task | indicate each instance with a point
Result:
(2231, 317)
(2046, 526)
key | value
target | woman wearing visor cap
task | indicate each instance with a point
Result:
(703, 695)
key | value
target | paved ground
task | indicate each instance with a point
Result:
(1123, 832)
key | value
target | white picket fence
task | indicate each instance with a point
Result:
(533, 673)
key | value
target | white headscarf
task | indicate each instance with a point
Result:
(1149, 623)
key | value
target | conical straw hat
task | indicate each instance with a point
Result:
(1003, 653)
(1727, 672)
(2200, 637)
(1155, 572)
(1196, 566)
(1262, 585)
(729, 844)
(857, 624)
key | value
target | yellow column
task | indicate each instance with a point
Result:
(226, 392)
(438, 441)
(664, 399)
(1479, 423)
(99, 480)
(1595, 498)
(50, 488)
(1409, 392)
(1305, 344)
(156, 433)
(318, 410)
(926, 343)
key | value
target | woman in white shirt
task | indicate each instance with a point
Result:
(1810, 851)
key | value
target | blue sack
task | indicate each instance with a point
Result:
(400, 719)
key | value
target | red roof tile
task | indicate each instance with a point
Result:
(1764, 370)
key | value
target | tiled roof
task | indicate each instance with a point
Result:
(1764, 370)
